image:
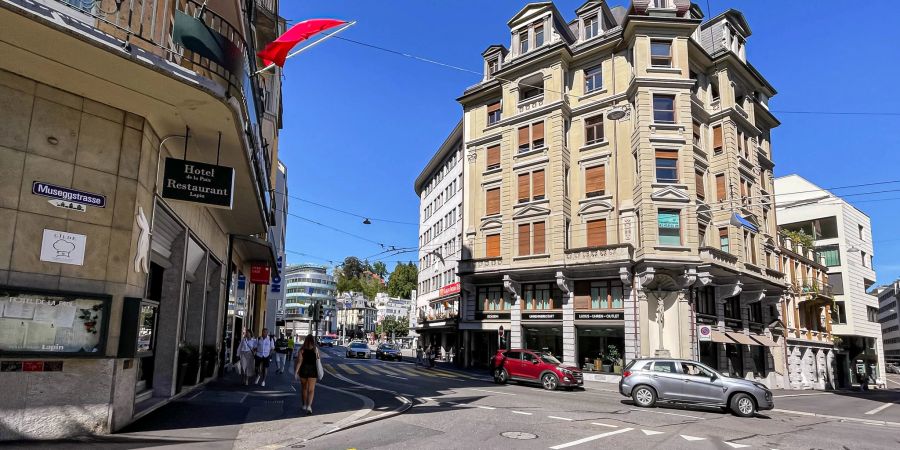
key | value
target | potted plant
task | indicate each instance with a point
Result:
(208, 360)
(188, 365)
(605, 365)
(615, 358)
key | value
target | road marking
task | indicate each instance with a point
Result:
(847, 419)
(522, 413)
(329, 368)
(397, 376)
(561, 418)
(692, 438)
(348, 369)
(590, 438)
(892, 381)
(604, 425)
(485, 407)
(666, 413)
(879, 409)
(801, 395)
(385, 371)
(651, 432)
(492, 392)
(733, 445)
(365, 369)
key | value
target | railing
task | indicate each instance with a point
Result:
(715, 105)
(610, 253)
(531, 103)
(814, 287)
(270, 6)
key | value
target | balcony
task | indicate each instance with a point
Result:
(716, 256)
(530, 104)
(481, 264)
(598, 255)
(813, 290)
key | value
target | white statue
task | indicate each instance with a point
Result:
(141, 259)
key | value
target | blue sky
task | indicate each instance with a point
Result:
(360, 124)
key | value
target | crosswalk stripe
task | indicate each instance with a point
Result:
(348, 369)
(412, 373)
(329, 367)
(385, 370)
(365, 369)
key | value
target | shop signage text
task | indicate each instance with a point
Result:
(275, 287)
(62, 247)
(452, 288)
(198, 182)
(67, 195)
(487, 315)
(542, 316)
(612, 315)
(260, 273)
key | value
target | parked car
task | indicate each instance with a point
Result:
(892, 368)
(534, 367)
(648, 381)
(359, 350)
(388, 351)
(326, 341)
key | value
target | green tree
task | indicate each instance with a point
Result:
(380, 269)
(403, 280)
(352, 267)
(392, 326)
(370, 287)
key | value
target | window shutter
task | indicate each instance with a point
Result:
(595, 179)
(668, 154)
(539, 238)
(537, 131)
(524, 188)
(493, 156)
(524, 239)
(493, 246)
(701, 189)
(596, 233)
(720, 188)
(537, 183)
(717, 137)
(523, 136)
(492, 201)
(493, 107)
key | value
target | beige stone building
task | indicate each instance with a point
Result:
(123, 242)
(618, 190)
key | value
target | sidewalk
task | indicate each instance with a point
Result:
(226, 414)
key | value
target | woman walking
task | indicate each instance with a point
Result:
(307, 371)
(245, 354)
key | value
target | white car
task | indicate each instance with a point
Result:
(359, 350)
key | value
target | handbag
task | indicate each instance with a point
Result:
(320, 371)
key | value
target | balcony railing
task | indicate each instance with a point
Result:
(531, 103)
(813, 287)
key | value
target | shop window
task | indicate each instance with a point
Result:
(541, 296)
(545, 340)
(735, 356)
(35, 322)
(706, 301)
(733, 308)
(492, 298)
(601, 348)
(606, 295)
(759, 360)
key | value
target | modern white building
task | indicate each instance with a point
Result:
(842, 236)
(888, 317)
(387, 306)
(439, 188)
(305, 285)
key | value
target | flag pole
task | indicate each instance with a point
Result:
(318, 41)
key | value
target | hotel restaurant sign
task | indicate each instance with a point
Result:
(198, 182)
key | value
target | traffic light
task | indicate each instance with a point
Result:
(318, 312)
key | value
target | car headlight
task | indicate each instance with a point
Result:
(565, 371)
(761, 386)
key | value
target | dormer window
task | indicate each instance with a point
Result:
(493, 66)
(523, 42)
(663, 4)
(661, 53)
(591, 27)
(538, 36)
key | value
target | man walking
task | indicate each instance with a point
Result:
(281, 349)
(264, 348)
(418, 355)
(290, 344)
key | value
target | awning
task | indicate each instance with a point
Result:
(764, 340)
(741, 338)
(739, 221)
(720, 337)
(255, 249)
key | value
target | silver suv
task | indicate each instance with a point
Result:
(647, 381)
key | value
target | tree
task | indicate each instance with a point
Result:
(393, 327)
(370, 287)
(403, 280)
(380, 269)
(352, 267)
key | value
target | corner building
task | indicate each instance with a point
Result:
(618, 170)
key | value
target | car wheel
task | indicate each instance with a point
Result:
(550, 381)
(644, 396)
(742, 405)
(501, 376)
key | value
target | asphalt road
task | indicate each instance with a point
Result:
(453, 409)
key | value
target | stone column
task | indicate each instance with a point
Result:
(570, 343)
(515, 314)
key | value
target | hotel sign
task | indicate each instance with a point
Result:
(611, 315)
(198, 182)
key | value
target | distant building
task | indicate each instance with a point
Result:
(387, 306)
(277, 233)
(356, 316)
(888, 317)
(305, 285)
(842, 236)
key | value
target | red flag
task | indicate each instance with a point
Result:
(276, 52)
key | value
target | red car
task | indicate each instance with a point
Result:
(534, 367)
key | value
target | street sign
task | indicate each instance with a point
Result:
(68, 195)
(198, 182)
(704, 333)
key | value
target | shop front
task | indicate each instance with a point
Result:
(543, 332)
(600, 326)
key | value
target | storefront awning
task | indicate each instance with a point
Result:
(720, 337)
(741, 338)
(764, 340)
(255, 249)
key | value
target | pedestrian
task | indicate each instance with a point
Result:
(264, 349)
(281, 349)
(290, 344)
(307, 370)
(863, 380)
(245, 356)
(418, 356)
(434, 354)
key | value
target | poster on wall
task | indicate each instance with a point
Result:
(32, 322)
(197, 182)
(63, 247)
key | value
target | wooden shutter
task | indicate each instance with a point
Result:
(493, 156)
(537, 182)
(701, 189)
(492, 201)
(524, 239)
(492, 246)
(596, 233)
(667, 154)
(582, 294)
(523, 136)
(720, 188)
(717, 137)
(595, 179)
(494, 107)
(539, 238)
(524, 187)
(537, 132)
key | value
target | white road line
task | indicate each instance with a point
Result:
(666, 413)
(692, 438)
(590, 438)
(846, 419)
(892, 381)
(734, 445)
(561, 418)
(485, 407)
(395, 376)
(879, 409)
(651, 432)
(522, 413)
(801, 395)
(492, 392)
(604, 425)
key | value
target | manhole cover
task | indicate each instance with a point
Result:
(521, 435)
